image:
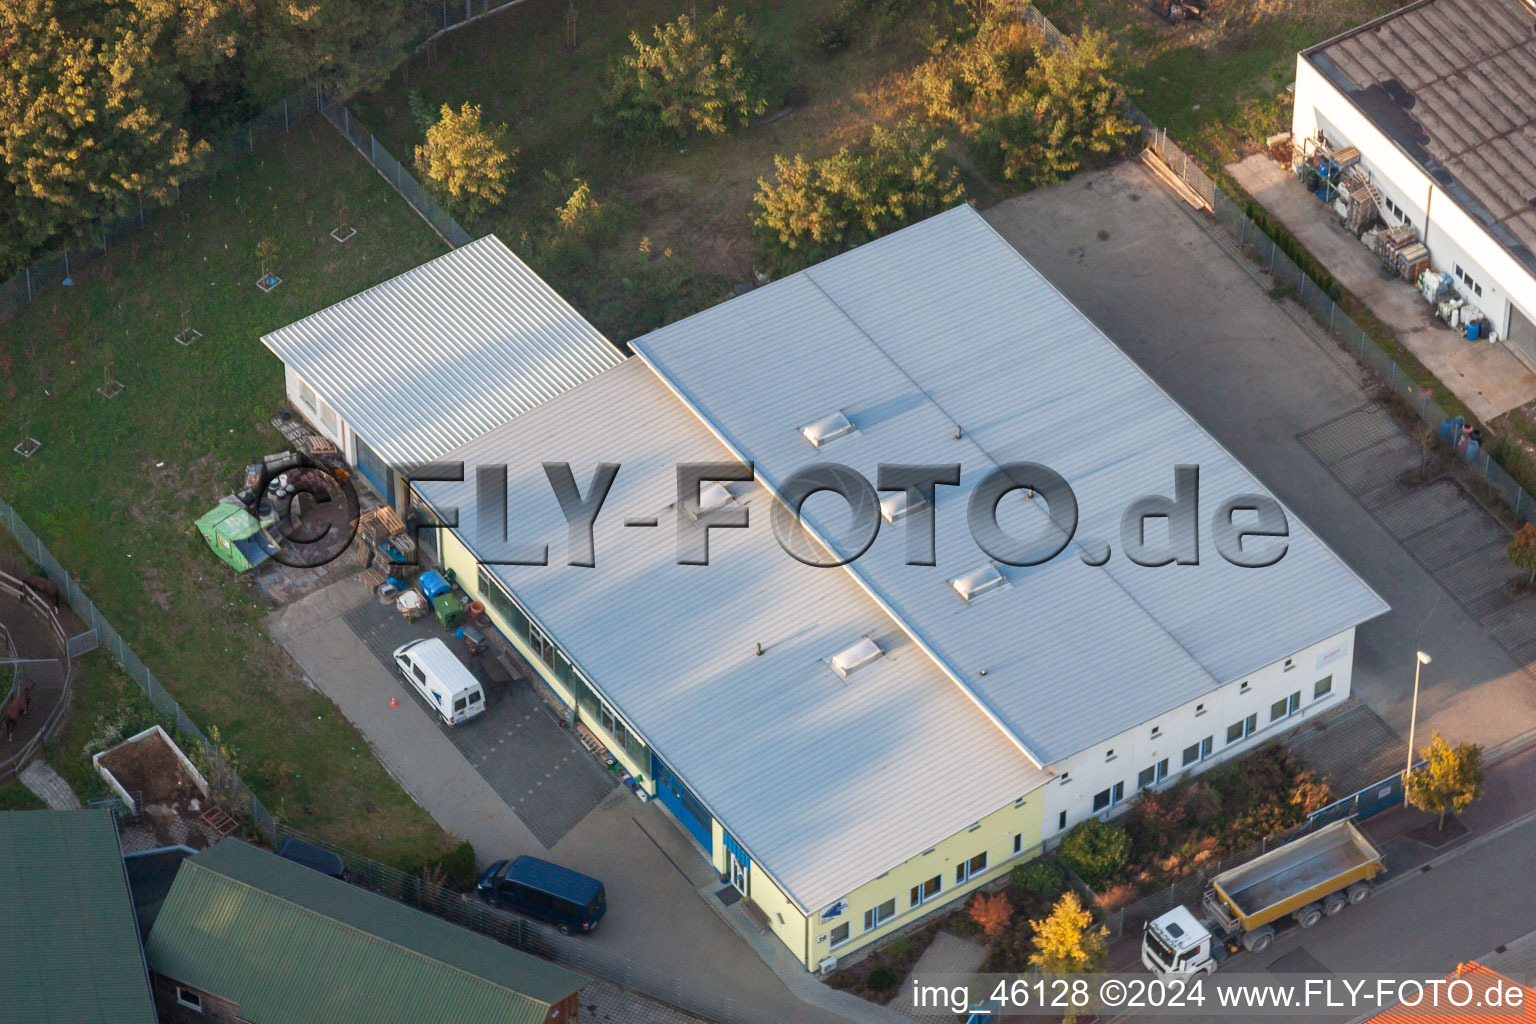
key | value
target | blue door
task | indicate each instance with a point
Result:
(375, 469)
(679, 799)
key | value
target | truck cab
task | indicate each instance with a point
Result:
(1177, 943)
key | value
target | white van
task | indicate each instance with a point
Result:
(441, 679)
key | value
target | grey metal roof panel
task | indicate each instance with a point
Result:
(68, 940)
(287, 943)
(1453, 83)
(944, 324)
(440, 354)
(826, 782)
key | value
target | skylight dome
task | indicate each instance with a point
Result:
(826, 430)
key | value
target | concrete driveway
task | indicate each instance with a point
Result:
(655, 918)
(1169, 287)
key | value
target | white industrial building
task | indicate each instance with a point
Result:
(1439, 100)
(855, 746)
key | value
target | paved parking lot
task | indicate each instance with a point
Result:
(517, 744)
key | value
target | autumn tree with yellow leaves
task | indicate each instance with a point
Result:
(1067, 942)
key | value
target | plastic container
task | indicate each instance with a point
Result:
(433, 585)
(450, 613)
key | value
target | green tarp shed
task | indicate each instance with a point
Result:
(234, 535)
(287, 943)
(69, 945)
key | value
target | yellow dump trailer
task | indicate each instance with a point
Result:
(1301, 882)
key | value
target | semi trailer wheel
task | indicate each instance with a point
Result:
(1309, 915)
(1334, 903)
(1258, 940)
(1359, 892)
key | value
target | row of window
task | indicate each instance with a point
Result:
(919, 894)
(1240, 730)
(594, 708)
(1466, 279)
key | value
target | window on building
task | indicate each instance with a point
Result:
(967, 869)
(1243, 688)
(840, 934)
(1197, 751)
(925, 891)
(874, 917)
(1109, 797)
(1199, 710)
(1018, 843)
(1323, 687)
(1157, 731)
(542, 645)
(1109, 755)
(1146, 777)
(191, 1000)
(1243, 729)
(1061, 821)
(612, 724)
(307, 395)
(1285, 707)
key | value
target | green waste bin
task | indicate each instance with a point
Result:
(449, 611)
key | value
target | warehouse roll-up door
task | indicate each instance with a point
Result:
(1522, 333)
(679, 799)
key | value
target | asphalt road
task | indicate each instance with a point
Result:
(1476, 900)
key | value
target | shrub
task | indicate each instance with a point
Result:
(456, 868)
(704, 75)
(816, 209)
(1117, 896)
(880, 979)
(1202, 802)
(467, 160)
(1070, 112)
(1096, 850)
(991, 912)
(968, 81)
(1040, 876)
(833, 34)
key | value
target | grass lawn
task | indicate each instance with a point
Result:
(16, 797)
(693, 199)
(1219, 83)
(116, 485)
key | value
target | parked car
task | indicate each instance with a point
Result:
(567, 899)
(323, 861)
(441, 679)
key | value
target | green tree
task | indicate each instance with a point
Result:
(88, 121)
(1066, 942)
(697, 76)
(816, 209)
(1451, 780)
(466, 159)
(1522, 552)
(1096, 850)
(1069, 112)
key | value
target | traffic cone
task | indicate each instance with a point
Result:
(393, 703)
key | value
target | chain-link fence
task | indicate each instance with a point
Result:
(395, 173)
(1265, 251)
(448, 13)
(531, 936)
(246, 802)
(53, 271)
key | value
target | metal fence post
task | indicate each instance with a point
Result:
(28, 272)
(346, 120)
(285, 117)
(373, 149)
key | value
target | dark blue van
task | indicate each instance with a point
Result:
(567, 899)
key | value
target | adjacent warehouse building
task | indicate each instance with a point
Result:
(855, 746)
(405, 371)
(1438, 100)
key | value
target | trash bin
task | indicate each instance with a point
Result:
(432, 585)
(449, 610)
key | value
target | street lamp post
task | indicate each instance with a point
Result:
(1413, 716)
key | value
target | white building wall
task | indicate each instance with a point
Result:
(1069, 798)
(1452, 236)
(313, 408)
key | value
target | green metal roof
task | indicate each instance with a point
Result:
(69, 947)
(287, 943)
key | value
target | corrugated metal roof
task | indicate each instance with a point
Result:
(289, 944)
(69, 946)
(945, 324)
(444, 352)
(1453, 83)
(827, 782)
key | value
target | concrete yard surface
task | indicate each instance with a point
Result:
(1489, 378)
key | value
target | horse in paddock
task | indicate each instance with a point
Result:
(19, 706)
